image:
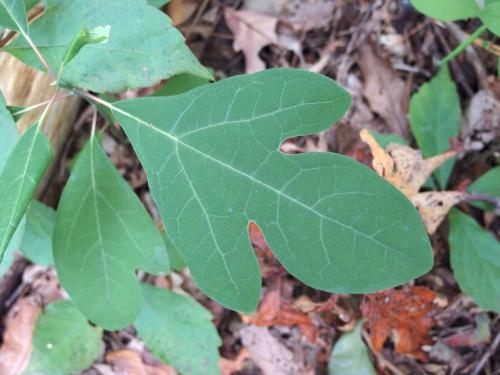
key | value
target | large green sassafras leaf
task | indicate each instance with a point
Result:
(64, 342)
(179, 331)
(448, 10)
(10, 252)
(435, 117)
(212, 159)
(350, 355)
(475, 260)
(37, 241)
(13, 15)
(143, 47)
(102, 234)
(20, 176)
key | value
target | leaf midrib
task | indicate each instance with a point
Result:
(259, 182)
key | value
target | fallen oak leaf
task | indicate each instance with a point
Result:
(404, 315)
(252, 32)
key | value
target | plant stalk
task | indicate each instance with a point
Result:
(465, 43)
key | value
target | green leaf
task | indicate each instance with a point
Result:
(13, 15)
(158, 3)
(177, 262)
(350, 355)
(490, 15)
(385, 139)
(9, 135)
(179, 331)
(99, 34)
(20, 176)
(64, 342)
(143, 47)
(488, 184)
(213, 164)
(435, 117)
(29, 4)
(181, 84)
(102, 234)
(10, 252)
(448, 10)
(475, 260)
(15, 111)
(37, 242)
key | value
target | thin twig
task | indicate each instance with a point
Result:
(494, 201)
(487, 355)
(38, 105)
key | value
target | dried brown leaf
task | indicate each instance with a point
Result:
(231, 366)
(129, 362)
(404, 315)
(252, 32)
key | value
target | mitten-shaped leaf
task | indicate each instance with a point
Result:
(102, 234)
(19, 178)
(212, 159)
(143, 47)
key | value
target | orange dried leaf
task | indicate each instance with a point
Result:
(130, 362)
(404, 315)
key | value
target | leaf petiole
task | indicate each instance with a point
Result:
(465, 43)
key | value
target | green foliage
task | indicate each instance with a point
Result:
(102, 234)
(13, 246)
(179, 331)
(475, 259)
(385, 139)
(64, 342)
(490, 15)
(20, 176)
(489, 184)
(448, 10)
(212, 159)
(9, 135)
(177, 262)
(13, 15)
(181, 84)
(99, 34)
(143, 48)
(435, 117)
(350, 355)
(158, 3)
(37, 241)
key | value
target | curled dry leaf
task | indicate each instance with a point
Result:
(434, 206)
(252, 32)
(407, 170)
(273, 311)
(404, 315)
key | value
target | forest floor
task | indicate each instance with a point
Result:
(382, 52)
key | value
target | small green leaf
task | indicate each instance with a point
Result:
(102, 234)
(143, 47)
(488, 184)
(99, 34)
(490, 15)
(385, 139)
(181, 84)
(213, 163)
(350, 355)
(475, 260)
(177, 262)
(435, 117)
(64, 342)
(448, 10)
(20, 176)
(179, 331)
(15, 111)
(13, 15)
(37, 242)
